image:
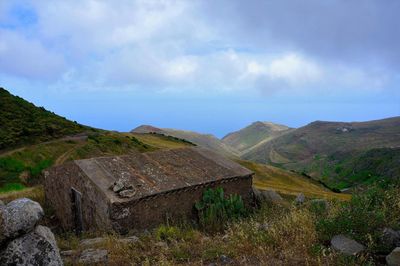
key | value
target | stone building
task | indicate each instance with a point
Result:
(140, 190)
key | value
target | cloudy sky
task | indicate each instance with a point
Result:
(210, 66)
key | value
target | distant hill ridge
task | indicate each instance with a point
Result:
(205, 140)
(331, 151)
(248, 138)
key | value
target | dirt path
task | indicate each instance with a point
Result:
(78, 137)
(66, 154)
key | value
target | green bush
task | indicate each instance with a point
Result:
(35, 171)
(364, 217)
(215, 210)
(11, 165)
(11, 187)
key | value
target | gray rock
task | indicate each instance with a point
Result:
(225, 259)
(91, 241)
(271, 195)
(264, 227)
(92, 256)
(128, 193)
(257, 194)
(19, 217)
(35, 248)
(391, 238)
(393, 259)
(129, 240)
(300, 199)
(1, 203)
(346, 245)
(122, 183)
(68, 253)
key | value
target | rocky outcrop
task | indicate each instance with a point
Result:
(19, 217)
(93, 256)
(35, 248)
(267, 195)
(346, 245)
(300, 198)
(393, 259)
(391, 238)
(23, 242)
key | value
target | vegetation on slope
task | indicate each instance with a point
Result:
(288, 183)
(23, 123)
(334, 152)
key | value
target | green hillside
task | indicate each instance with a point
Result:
(336, 152)
(250, 137)
(288, 183)
(24, 123)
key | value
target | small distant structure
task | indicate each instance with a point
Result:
(139, 191)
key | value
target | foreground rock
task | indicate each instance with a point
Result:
(300, 199)
(90, 242)
(36, 248)
(346, 245)
(92, 256)
(271, 195)
(267, 195)
(391, 238)
(22, 241)
(19, 217)
(393, 259)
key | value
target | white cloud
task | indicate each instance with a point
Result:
(294, 69)
(27, 58)
(157, 45)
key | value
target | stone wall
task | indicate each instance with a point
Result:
(95, 206)
(174, 205)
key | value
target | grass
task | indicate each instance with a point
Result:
(272, 235)
(289, 183)
(12, 187)
(35, 193)
(290, 238)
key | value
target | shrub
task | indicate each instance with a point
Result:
(214, 209)
(364, 217)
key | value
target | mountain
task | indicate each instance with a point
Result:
(24, 123)
(250, 137)
(205, 140)
(333, 151)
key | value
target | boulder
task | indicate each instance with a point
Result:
(94, 256)
(19, 217)
(257, 195)
(346, 245)
(391, 238)
(128, 193)
(271, 195)
(35, 248)
(91, 241)
(129, 240)
(393, 259)
(1, 203)
(300, 199)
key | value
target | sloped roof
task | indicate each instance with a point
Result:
(160, 171)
